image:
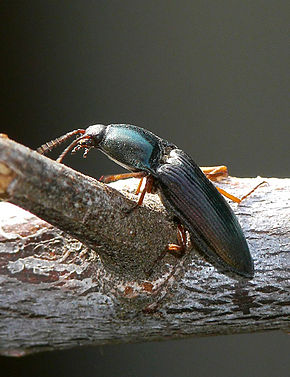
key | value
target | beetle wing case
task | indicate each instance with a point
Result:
(193, 199)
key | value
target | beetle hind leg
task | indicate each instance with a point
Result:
(234, 198)
(215, 173)
(177, 250)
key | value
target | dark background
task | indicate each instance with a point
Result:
(210, 76)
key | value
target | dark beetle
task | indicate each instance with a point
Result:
(184, 189)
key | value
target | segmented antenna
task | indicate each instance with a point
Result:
(47, 147)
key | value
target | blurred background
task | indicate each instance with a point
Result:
(210, 76)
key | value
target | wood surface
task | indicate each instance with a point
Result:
(74, 270)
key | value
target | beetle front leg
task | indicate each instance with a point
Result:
(117, 177)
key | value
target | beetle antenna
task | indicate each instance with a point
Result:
(47, 147)
(70, 147)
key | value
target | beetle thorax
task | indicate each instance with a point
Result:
(131, 147)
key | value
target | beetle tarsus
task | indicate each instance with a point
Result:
(254, 189)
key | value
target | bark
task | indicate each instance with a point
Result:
(78, 273)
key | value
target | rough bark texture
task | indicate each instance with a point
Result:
(82, 280)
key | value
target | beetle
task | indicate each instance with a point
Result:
(187, 194)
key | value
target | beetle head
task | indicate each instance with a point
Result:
(87, 139)
(93, 136)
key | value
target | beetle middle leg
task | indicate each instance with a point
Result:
(148, 187)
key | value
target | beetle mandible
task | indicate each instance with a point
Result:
(184, 189)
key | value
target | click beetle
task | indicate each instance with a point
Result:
(185, 191)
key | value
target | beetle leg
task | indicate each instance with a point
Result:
(137, 192)
(234, 198)
(147, 188)
(117, 177)
(215, 173)
(177, 250)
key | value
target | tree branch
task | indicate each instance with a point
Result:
(82, 280)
